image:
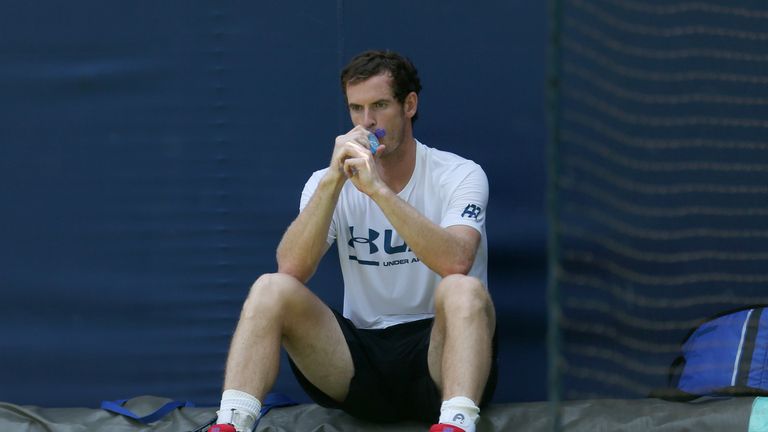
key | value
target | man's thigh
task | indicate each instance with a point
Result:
(316, 345)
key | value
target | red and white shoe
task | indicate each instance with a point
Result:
(222, 428)
(442, 427)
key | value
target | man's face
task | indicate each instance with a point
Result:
(372, 105)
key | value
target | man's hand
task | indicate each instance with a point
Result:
(352, 159)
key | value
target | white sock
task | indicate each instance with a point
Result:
(461, 412)
(238, 409)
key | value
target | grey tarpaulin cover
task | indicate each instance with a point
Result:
(639, 415)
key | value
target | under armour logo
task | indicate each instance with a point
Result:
(372, 235)
(471, 211)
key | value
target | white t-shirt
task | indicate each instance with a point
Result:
(384, 281)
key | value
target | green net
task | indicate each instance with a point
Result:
(659, 183)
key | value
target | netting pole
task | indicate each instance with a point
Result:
(554, 387)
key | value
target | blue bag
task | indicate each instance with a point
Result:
(727, 355)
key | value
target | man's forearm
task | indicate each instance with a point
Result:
(443, 250)
(304, 242)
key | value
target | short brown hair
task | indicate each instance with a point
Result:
(405, 77)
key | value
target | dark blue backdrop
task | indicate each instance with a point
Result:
(154, 152)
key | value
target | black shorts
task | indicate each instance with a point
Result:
(391, 381)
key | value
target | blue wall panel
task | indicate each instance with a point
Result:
(153, 154)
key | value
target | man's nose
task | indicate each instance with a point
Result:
(369, 120)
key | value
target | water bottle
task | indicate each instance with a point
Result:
(374, 139)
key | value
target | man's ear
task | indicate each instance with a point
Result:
(411, 104)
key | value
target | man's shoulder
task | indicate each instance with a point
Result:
(319, 173)
(442, 159)
(316, 176)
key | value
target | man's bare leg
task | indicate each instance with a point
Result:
(280, 310)
(460, 348)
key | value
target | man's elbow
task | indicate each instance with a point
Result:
(458, 267)
(299, 272)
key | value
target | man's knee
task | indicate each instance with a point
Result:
(461, 294)
(271, 292)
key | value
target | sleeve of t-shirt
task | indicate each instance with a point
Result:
(306, 194)
(468, 201)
